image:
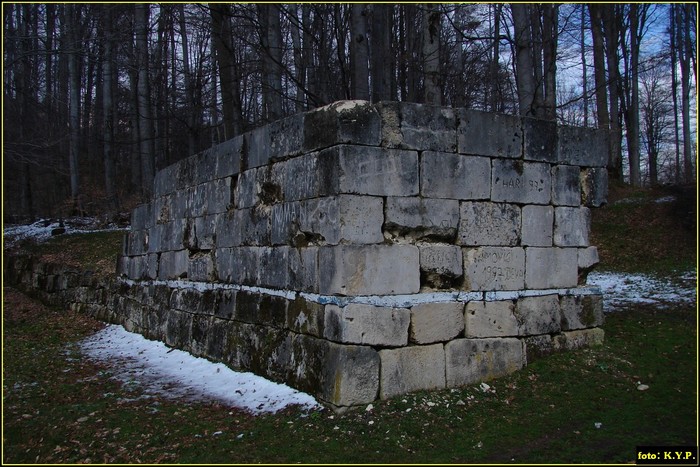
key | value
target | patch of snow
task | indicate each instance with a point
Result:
(42, 229)
(622, 290)
(165, 372)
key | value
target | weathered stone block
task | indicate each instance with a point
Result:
(246, 189)
(488, 134)
(356, 122)
(540, 140)
(343, 218)
(306, 317)
(440, 265)
(490, 319)
(204, 232)
(137, 241)
(369, 269)
(571, 226)
(411, 369)
(572, 340)
(201, 267)
(537, 347)
(301, 177)
(421, 217)
(483, 223)
(303, 269)
(454, 176)
(594, 187)
(173, 265)
(274, 267)
(587, 260)
(470, 361)
(521, 182)
(417, 126)
(580, 312)
(368, 170)
(538, 225)
(228, 230)
(538, 315)
(367, 325)
(228, 157)
(586, 147)
(256, 148)
(436, 322)
(351, 374)
(142, 217)
(286, 136)
(165, 181)
(243, 265)
(566, 189)
(547, 268)
(226, 305)
(494, 268)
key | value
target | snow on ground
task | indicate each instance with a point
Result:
(43, 229)
(160, 371)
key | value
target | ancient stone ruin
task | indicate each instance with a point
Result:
(361, 251)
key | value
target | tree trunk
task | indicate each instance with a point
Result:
(524, 68)
(72, 13)
(299, 69)
(189, 85)
(601, 94)
(496, 101)
(432, 92)
(610, 17)
(674, 91)
(144, 96)
(381, 51)
(108, 110)
(584, 66)
(271, 59)
(359, 53)
(686, 51)
(550, 24)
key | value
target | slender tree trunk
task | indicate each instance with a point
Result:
(72, 13)
(584, 65)
(381, 51)
(496, 101)
(189, 85)
(431, 55)
(108, 109)
(685, 47)
(612, 42)
(633, 109)
(550, 24)
(601, 94)
(359, 53)
(524, 68)
(271, 58)
(674, 91)
(299, 70)
(144, 95)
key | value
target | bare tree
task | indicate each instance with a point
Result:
(145, 116)
(359, 52)
(431, 55)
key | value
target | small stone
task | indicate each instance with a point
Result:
(642, 387)
(484, 387)
(598, 425)
(369, 408)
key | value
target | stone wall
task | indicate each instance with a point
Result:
(361, 251)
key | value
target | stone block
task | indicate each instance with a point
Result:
(274, 267)
(490, 319)
(162, 209)
(440, 265)
(243, 265)
(489, 134)
(342, 122)
(142, 217)
(538, 225)
(178, 326)
(587, 260)
(201, 267)
(594, 187)
(418, 126)
(586, 147)
(228, 229)
(186, 173)
(343, 218)
(571, 226)
(253, 226)
(410, 369)
(165, 181)
(350, 374)
(173, 265)
(418, 218)
(436, 322)
(256, 148)
(484, 223)
(284, 222)
(578, 339)
(136, 267)
(219, 195)
(494, 268)
(246, 189)
(581, 311)
(566, 189)
(365, 170)
(470, 361)
(301, 177)
(538, 315)
(286, 136)
(454, 176)
(226, 305)
(521, 182)
(537, 347)
(540, 140)
(547, 268)
(204, 231)
(228, 157)
(137, 243)
(303, 269)
(306, 317)
(369, 269)
(367, 325)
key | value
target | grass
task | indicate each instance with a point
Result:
(61, 408)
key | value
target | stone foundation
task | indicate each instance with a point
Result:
(362, 251)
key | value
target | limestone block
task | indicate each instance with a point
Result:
(367, 325)
(173, 265)
(343, 218)
(489, 134)
(246, 189)
(204, 231)
(274, 267)
(422, 217)
(201, 326)
(256, 148)
(284, 222)
(137, 242)
(440, 265)
(494, 268)
(300, 177)
(253, 226)
(365, 170)
(411, 369)
(470, 361)
(286, 136)
(219, 195)
(537, 347)
(355, 122)
(571, 226)
(350, 374)
(162, 209)
(436, 322)
(572, 340)
(490, 319)
(454, 176)
(587, 260)
(226, 305)
(484, 223)
(306, 317)
(136, 267)
(244, 265)
(205, 163)
(228, 229)
(188, 300)
(538, 315)
(417, 126)
(165, 181)
(581, 311)
(547, 268)
(303, 269)
(152, 264)
(178, 326)
(228, 157)
(369, 269)
(142, 217)
(594, 187)
(566, 190)
(586, 147)
(540, 140)
(186, 173)
(538, 225)
(201, 267)
(521, 182)
(180, 203)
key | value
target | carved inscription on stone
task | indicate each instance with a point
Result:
(521, 182)
(494, 268)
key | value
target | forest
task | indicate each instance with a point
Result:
(97, 97)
